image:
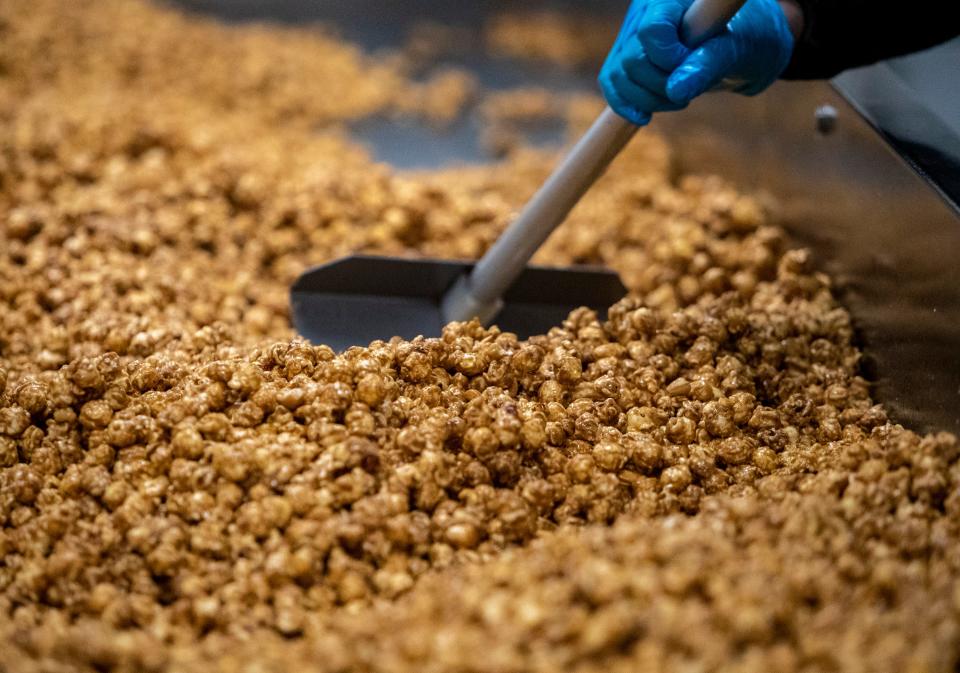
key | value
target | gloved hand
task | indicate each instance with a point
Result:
(650, 70)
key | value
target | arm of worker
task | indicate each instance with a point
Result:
(837, 35)
(649, 69)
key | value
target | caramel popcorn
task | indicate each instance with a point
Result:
(699, 480)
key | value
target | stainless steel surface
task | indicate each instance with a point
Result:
(918, 122)
(934, 76)
(890, 241)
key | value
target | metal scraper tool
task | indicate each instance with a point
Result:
(355, 300)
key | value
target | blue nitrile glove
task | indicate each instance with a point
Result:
(650, 70)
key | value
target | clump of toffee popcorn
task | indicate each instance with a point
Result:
(570, 38)
(700, 482)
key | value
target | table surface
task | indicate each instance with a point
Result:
(888, 239)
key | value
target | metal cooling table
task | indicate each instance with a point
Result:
(867, 171)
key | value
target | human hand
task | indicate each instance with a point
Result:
(650, 70)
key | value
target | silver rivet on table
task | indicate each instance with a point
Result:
(826, 118)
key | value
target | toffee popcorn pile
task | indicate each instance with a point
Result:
(700, 482)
